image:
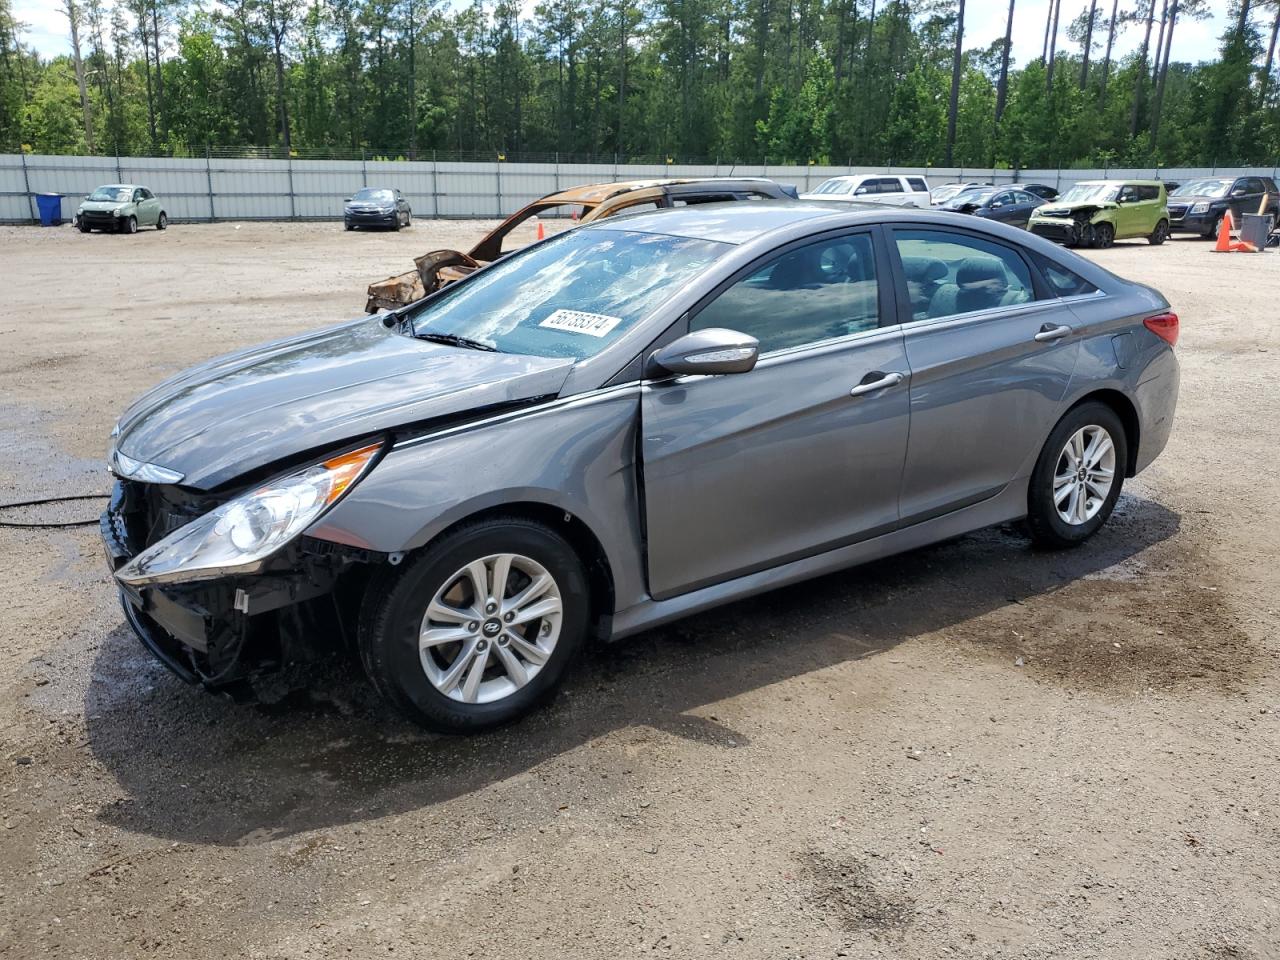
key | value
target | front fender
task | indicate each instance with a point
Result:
(575, 454)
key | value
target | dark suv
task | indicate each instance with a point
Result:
(1198, 205)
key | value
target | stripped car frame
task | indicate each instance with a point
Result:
(589, 202)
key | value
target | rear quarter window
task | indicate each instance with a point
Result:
(1063, 282)
(917, 184)
(1148, 193)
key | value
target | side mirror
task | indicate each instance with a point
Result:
(708, 352)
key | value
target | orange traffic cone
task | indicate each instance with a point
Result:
(1225, 226)
(542, 234)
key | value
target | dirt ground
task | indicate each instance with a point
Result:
(974, 750)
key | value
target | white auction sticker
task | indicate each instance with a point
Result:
(575, 321)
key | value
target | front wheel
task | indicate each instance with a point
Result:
(1104, 234)
(162, 221)
(132, 225)
(1077, 479)
(1160, 234)
(477, 629)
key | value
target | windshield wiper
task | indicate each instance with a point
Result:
(453, 340)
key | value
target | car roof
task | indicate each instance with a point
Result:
(736, 223)
(594, 193)
(1118, 183)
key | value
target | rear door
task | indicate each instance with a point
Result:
(991, 358)
(802, 454)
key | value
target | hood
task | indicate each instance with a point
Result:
(105, 205)
(1195, 198)
(308, 393)
(1055, 208)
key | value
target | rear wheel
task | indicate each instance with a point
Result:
(1160, 234)
(1077, 479)
(479, 628)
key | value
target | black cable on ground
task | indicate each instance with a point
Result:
(49, 526)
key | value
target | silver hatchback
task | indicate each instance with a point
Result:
(622, 425)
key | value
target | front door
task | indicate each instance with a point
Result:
(802, 454)
(990, 364)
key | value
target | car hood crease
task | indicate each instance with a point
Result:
(238, 413)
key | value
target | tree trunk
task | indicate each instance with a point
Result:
(1164, 20)
(1053, 45)
(1265, 82)
(277, 43)
(1088, 44)
(73, 16)
(1106, 59)
(155, 41)
(1002, 87)
(955, 84)
(1140, 78)
(1164, 72)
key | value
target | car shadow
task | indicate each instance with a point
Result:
(198, 768)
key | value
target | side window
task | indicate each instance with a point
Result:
(950, 273)
(917, 184)
(890, 185)
(815, 292)
(1063, 282)
(1024, 197)
(1128, 194)
(870, 185)
(1255, 185)
(699, 198)
(1001, 199)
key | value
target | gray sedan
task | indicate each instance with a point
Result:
(617, 427)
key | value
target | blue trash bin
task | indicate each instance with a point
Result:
(50, 207)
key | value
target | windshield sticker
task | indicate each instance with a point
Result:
(575, 321)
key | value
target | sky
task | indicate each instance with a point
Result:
(46, 27)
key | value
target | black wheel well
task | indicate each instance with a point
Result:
(580, 537)
(1128, 414)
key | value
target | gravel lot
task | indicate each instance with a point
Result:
(974, 750)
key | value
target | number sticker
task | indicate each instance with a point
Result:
(575, 321)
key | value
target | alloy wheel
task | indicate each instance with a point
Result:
(1084, 475)
(490, 628)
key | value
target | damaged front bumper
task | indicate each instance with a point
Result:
(222, 632)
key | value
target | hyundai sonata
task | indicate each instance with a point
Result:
(622, 425)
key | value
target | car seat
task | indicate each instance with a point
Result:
(981, 284)
(924, 277)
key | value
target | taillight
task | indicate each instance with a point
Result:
(1164, 326)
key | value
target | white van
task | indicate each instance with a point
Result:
(878, 187)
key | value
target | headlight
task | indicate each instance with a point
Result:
(116, 212)
(1201, 207)
(242, 533)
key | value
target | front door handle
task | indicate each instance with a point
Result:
(882, 381)
(1050, 333)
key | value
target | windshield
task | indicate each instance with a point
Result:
(1090, 193)
(568, 297)
(371, 195)
(1203, 188)
(835, 185)
(112, 194)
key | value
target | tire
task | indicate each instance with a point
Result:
(349, 226)
(83, 227)
(132, 225)
(162, 221)
(447, 700)
(408, 218)
(1160, 234)
(1215, 229)
(1104, 235)
(1048, 527)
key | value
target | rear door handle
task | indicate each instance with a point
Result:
(884, 380)
(1048, 333)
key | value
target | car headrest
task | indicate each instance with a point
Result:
(978, 269)
(924, 269)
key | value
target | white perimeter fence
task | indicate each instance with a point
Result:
(227, 189)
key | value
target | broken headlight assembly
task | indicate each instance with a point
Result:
(241, 534)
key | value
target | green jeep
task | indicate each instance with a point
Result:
(1095, 213)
